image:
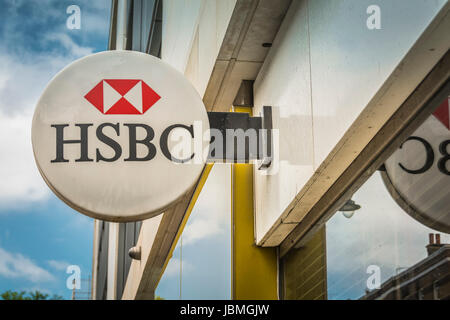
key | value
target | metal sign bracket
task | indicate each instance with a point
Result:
(257, 137)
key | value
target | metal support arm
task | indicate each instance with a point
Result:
(243, 138)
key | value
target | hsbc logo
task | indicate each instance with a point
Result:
(120, 135)
(122, 96)
(442, 113)
(119, 97)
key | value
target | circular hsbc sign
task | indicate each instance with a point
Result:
(418, 174)
(118, 135)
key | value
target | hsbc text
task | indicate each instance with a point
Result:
(430, 155)
(133, 142)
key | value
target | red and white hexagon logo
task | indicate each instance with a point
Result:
(443, 113)
(122, 96)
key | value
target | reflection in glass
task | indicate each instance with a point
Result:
(397, 246)
(200, 266)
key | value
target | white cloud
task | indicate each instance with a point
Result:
(24, 78)
(173, 267)
(58, 265)
(380, 233)
(15, 265)
(24, 74)
(94, 15)
(211, 214)
(93, 22)
(66, 41)
(201, 228)
(21, 181)
(21, 82)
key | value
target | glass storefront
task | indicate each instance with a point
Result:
(200, 266)
(391, 239)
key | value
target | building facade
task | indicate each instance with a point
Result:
(349, 82)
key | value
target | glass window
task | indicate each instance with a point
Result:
(200, 266)
(389, 242)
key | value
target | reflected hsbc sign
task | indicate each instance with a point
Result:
(442, 115)
(418, 174)
(115, 135)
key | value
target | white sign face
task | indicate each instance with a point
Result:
(418, 174)
(118, 135)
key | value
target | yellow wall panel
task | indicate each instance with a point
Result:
(254, 269)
